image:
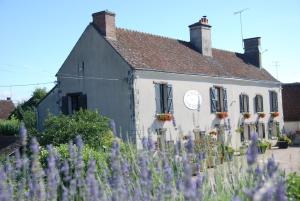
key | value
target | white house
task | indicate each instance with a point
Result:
(167, 87)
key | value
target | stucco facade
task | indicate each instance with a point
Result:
(186, 120)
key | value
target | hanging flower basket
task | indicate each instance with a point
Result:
(261, 114)
(164, 117)
(246, 115)
(222, 115)
(275, 114)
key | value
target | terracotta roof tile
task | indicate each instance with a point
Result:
(6, 107)
(150, 52)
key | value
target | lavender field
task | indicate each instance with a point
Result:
(76, 172)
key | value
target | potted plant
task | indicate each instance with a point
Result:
(246, 115)
(262, 146)
(229, 151)
(275, 114)
(261, 115)
(164, 117)
(222, 115)
(283, 142)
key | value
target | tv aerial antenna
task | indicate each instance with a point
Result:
(241, 23)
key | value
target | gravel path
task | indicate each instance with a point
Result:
(288, 159)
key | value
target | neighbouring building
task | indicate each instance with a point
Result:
(167, 88)
(6, 108)
(291, 106)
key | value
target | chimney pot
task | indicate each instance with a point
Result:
(105, 22)
(8, 98)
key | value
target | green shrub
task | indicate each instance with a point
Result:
(90, 125)
(9, 127)
(29, 119)
(293, 186)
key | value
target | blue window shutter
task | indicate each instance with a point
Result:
(256, 103)
(157, 98)
(225, 100)
(213, 99)
(276, 102)
(271, 102)
(262, 104)
(241, 103)
(170, 108)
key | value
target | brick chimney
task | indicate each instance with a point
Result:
(200, 36)
(252, 51)
(105, 22)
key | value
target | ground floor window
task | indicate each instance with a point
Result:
(73, 102)
(246, 132)
(260, 130)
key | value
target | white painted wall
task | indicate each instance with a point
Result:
(186, 119)
(291, 126)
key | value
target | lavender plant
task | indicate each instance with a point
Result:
(179, 173)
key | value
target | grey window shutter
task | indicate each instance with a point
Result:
(247, 103)
(83, 101)
(157, 98)
(241, 103)
(170, 99)
(225, 100)
(213, 99)
(64, 105)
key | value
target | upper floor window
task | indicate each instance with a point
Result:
(244, 103)
(163, 98)
(259, 106)
(73, 102)
(218, 99)
(273, 101)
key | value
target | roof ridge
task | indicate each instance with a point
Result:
(170, 38)
(151, 34)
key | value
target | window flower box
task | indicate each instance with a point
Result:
(246, 115)
(164, 117)
(275, 114)
(261, 115)
(222, 115)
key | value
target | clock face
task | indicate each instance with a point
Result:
(192, 99)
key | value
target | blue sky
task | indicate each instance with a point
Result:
(37, 36)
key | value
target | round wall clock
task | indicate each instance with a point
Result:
(192, 99)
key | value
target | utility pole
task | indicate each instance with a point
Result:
(241, 23)
(276, 64)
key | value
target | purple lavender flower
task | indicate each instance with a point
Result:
(151, 145)
(281, 191)
(271, 166)
(92, 184)
(112, 126)
(189, 186)
(168, 180)
(189, 145)
(145, 143)
(236, 198)
(23, 134)
(252, 150)
(53, 178)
